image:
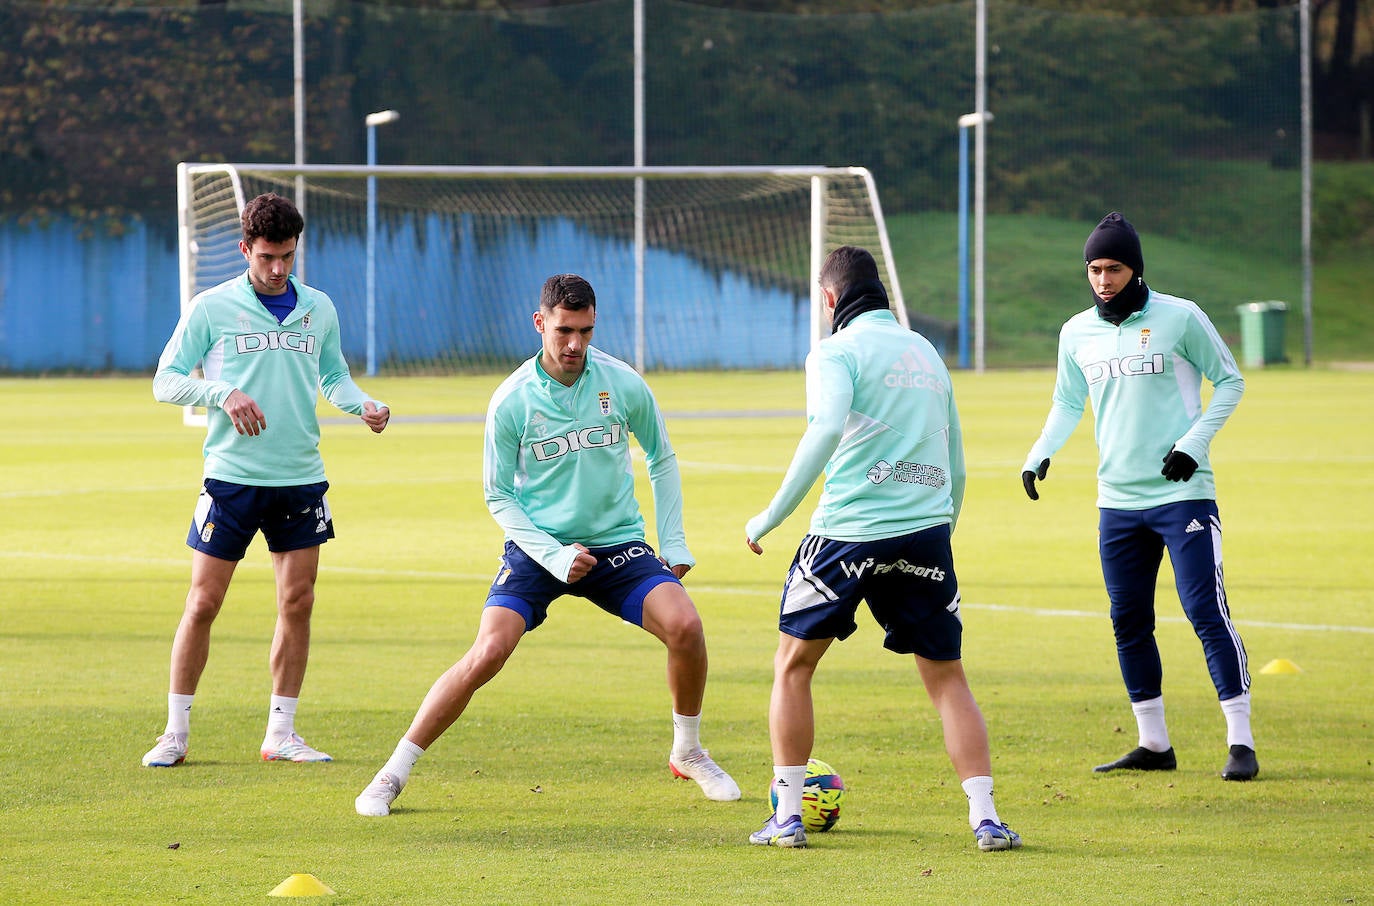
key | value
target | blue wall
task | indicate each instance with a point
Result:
(70, 300)
(443, 293)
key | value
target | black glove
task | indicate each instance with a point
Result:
(1028, 479)
(1178, 466)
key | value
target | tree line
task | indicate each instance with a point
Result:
(98, 104)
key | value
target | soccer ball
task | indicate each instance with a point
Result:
(821, 796)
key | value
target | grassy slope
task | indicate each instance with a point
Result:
(1034, 281)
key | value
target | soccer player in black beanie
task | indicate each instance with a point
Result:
(1115, 239)
(1140, 357)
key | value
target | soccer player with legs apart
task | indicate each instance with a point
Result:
(559, 481)
(1140, 356)
(883, 427)
(269, 345)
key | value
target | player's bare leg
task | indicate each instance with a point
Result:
(191, 647)
(966, 735)
(190, 652)
(791, 715)
(296, 572)
(792, 731)
(966, 742)
(672, 618)
(499, 631)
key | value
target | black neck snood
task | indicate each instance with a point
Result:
(866, 295)
(1130, 299)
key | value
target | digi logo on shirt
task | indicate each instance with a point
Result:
(1126, 366)
(275, 339)
(561, 445)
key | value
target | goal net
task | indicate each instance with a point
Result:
(437, 270)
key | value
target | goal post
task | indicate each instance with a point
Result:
(729, 255)
(208, 234)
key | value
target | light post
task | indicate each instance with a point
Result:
(966, 122)
(372, 121)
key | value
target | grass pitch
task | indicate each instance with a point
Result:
(553, 788)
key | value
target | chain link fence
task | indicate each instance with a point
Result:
(1189, 125)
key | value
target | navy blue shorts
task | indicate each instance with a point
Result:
(623, 576)
(908, 583)
(228, 515)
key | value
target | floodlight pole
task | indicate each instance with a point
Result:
(980, 106)
(372, 121)
(640, 356)
(1305, 63)
(966, 122)
(298, 92)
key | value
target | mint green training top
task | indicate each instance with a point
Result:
(283, 367)
(556, 464)
(1144, 378)
(882, 425)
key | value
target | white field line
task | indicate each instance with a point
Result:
(726, 590)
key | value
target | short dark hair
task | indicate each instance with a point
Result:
(271, 217)
(566, 291)
(846, 266)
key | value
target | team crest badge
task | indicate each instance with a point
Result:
(305, 322)
(605, 399)
(1145, 338)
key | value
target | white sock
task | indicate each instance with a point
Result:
(1149, 720)
(980, 807)
(281, 717)
(789, 781)
(1237, 711)
(402, 760)
(686, 733)
(179, 713)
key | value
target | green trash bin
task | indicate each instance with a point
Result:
(1261, 333)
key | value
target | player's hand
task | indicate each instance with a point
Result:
(1178, 466)
(376, 418)
(753, 545)
(1028, 479)
(581, 565)
(244, 413)
(680, 570)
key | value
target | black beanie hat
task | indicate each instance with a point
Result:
(1116, 239)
